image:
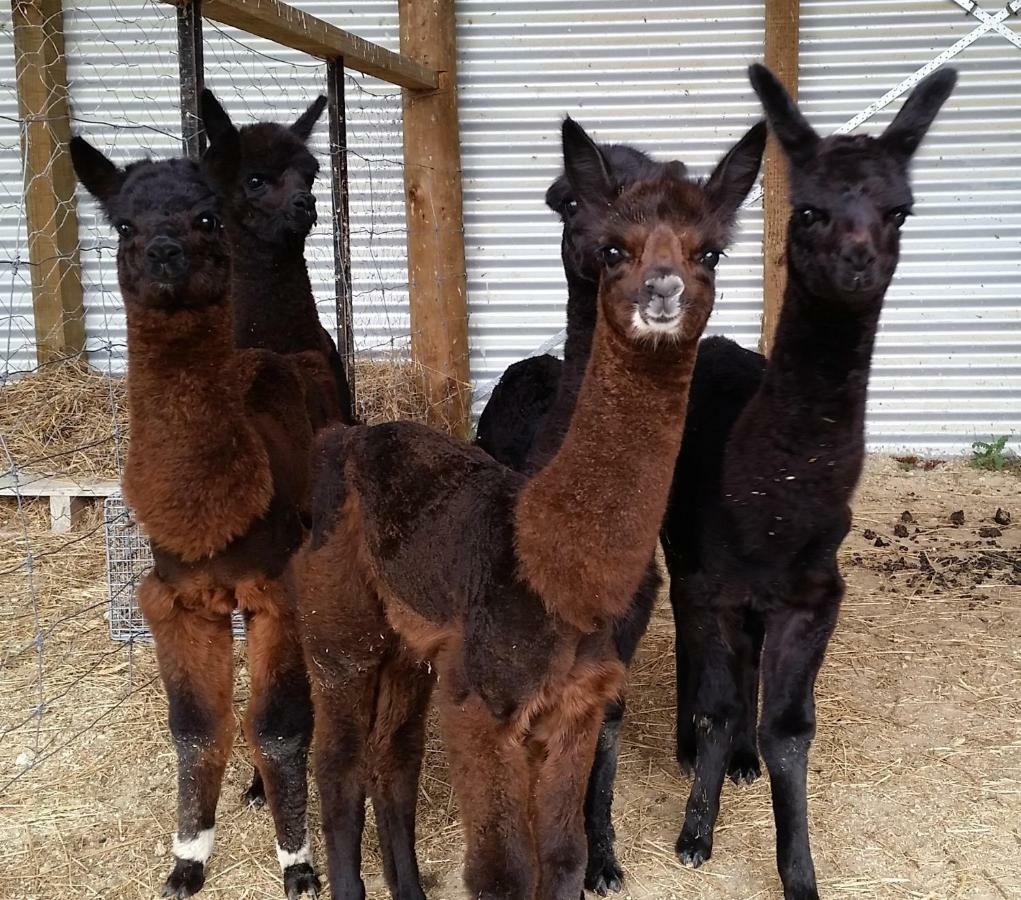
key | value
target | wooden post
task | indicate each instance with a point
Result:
(437, 290)
(51, 218)
(782, 26)
(192, 76)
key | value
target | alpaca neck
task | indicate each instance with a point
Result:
(273, 303)
(587, 524)
(581, 323)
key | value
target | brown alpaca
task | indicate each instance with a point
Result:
(217, 473)
(426, 554)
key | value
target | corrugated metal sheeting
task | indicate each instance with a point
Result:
(668, 77)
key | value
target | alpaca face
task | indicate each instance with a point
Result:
(659, 239)
(172, 251)
(850, 194)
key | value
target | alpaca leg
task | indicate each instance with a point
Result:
(744, 756)
(716, 712)
(559, 806)
(491, 776)
(603, 873)
(193, 649)
(396, 746)
(795, 644)
(254, 796)
(278, 726)
(694, 628)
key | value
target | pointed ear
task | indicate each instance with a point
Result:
(676, 169)
(733, 178)
(584, 164)
(307, 120)
(98, 175)
(791, 128)
(916, 115)
(217, 123)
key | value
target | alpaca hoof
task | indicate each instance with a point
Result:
(185, 879)
(744, 767)
(255, 796)
(686, 762)
(693, 851)
(603, 874)
(301, 879)
(801, 892)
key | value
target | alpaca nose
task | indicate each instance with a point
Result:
(664, 284)
(303, 202)
(860, 256)
(163, 251)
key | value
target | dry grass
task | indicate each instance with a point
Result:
(916, 774)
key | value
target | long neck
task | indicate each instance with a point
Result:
(586, 525)
(581, 323)
(273, 303)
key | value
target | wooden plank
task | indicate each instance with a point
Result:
(437, 292)
(27, 485)
(50, 213)
(293, 28)
(192, 77)
(782, 28)
(66, 512)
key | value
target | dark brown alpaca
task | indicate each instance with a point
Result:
(265, 174)
(217, 473)
(771, 457)
(426, 554)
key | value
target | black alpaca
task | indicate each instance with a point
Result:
(771, 455)
(265, 174)
(523, 426)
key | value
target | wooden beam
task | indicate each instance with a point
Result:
(782, 28)
(438, 292)
(50, 214)
(293, 28)
(191, 73)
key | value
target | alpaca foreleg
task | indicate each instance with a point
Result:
(603, 873)
(796, 640)
(490, 772)
(278, 727)
(743, 767)
(396, 746)
(694, 627)
(193, 649)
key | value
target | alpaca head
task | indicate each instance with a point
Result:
(625, 165)
(172, 252)
(850, 194)
(264, 172)
(659, 238)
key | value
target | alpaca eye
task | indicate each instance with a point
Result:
(125, 229)
(710, 259)
(897, 217)
(207, 222)
(611, 256)
(571, 205)
(254, 182)
(810, 216)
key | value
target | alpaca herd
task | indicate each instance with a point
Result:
(376, 566)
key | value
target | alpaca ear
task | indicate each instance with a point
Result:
(558, 194)
(676, 169)
(733, 178)
(307, 120)
(791, 128)
(584, 164)
(98, 175)
(910, 125)
(215, 120)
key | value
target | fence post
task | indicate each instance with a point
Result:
(190, 68)
(341, 222)
(782, 29)
(50, 213)
(437, 289)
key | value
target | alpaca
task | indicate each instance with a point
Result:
(771, 455)
(426, 553)
(536, 396)
(218, 474)
(264, 174)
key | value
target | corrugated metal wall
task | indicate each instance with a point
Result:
(948, 361)
(668, 77)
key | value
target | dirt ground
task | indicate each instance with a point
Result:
(915, 776)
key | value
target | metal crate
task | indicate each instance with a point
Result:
(128, 558)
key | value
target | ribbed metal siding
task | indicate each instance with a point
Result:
(667, 77)
(948, 361)
(122, 69)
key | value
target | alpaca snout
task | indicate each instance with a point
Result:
(165, 259)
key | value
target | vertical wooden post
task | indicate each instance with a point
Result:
(782, 28)
(341, 222)
(191, 75)
(50, 214)
(438, 292)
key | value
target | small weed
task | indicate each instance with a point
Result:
(994, 456)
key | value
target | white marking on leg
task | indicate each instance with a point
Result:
(288, 859)
(196, 849)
